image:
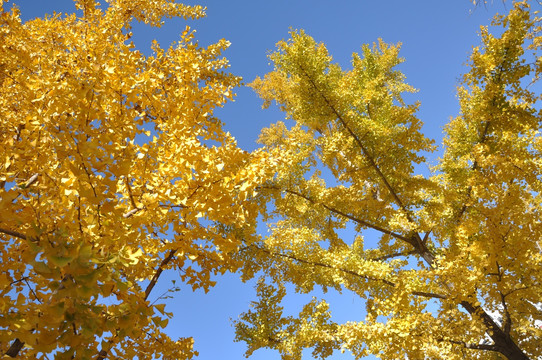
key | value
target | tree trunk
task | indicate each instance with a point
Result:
(503, 342)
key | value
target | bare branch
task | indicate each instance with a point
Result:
(15, 347)
(159, 271)
(13, 233)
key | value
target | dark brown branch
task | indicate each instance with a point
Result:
(15, 347)
(32, 290)
(503, 342)
(171, 255)
(158, 272)
(507, 321)
(13, 233)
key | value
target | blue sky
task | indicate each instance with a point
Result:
(437, 37)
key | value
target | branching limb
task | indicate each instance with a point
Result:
(415, 240)
(358, 141)
(319, 264)
(170, 256)
(341, 213)
(159, 271)
(13, 233)
(349, 272)
(507, 321)
(487, 347)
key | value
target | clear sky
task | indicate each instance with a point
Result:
(437, 36)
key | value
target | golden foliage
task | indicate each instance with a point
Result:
(457, 271)
(112, 170)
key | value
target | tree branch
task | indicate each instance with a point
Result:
(416, 240)
(131, 213)
(487, 347)
(13, 233)
(159, 271)
(429, 295)
(319, 264)
(390, 256)
(15, 347)
(503, 342)
(103, 353)
(358, 141)
(338, 212)
(350, 272)
(30, 181)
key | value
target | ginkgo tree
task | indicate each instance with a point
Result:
(457, 270)
(113, 169)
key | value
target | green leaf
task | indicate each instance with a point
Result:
(42, 268)
(60, 261)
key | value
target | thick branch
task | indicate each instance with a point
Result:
(15, 347)
(507, 321)
(503, 342)
(13, 233)
(158, 272)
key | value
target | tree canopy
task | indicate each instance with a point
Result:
(113, 169)
(456, 273)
